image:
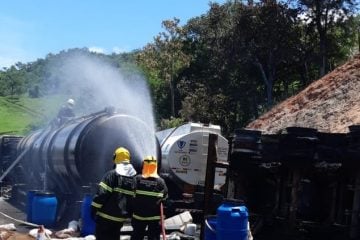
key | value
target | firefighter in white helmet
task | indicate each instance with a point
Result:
(150, 190)
(66, 112)
(111, 206)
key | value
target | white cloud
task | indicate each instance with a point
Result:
(115, 49)
(118, 50)
(97, 50)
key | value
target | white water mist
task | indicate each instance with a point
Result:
(96, 84)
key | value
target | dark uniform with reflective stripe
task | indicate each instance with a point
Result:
(65, 114)
(149, 192)
(110, 205)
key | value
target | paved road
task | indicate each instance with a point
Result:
(14, 213)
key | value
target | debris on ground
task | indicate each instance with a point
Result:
(5, 234)
(71, 231)
(181, 227)
(9, 226)
(36, 232)
(178, 222)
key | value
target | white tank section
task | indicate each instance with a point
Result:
(184, 153)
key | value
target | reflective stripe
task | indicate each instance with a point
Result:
(97, 205)
(154, 194)
(124, 191)
(146, 218)
(106, 187)
(112, 218)
(149, 161)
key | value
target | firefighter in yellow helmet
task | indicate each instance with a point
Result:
(111, 206)
(150, 190)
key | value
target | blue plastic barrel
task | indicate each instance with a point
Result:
(232, 221)
(29, 200)
(210, 228)
(88, 224)
(44, 208)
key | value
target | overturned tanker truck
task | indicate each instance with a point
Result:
(70, 159)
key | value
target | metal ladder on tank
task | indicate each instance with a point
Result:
(204, 150)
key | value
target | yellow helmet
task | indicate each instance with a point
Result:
(121, 155)
(149, 167)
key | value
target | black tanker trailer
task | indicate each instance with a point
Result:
(70, 159)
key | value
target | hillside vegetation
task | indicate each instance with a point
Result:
(19, 115)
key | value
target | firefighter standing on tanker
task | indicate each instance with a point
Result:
(150, 190)
(66, 112)
(111, 206)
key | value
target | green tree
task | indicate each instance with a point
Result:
(239, 52)
(322, 17)
(269, 38)
(204, 84)
(165, 58)
(13, 80)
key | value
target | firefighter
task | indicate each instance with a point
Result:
(111, 206)
(150, 190)
(66, 112)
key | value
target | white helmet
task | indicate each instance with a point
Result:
(71, 102)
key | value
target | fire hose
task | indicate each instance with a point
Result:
(26, 223)
(13, 164)
(162, 221)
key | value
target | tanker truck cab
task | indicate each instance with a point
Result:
(184, 156)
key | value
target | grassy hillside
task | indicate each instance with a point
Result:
(19, 115)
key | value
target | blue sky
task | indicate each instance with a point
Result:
(31, 29)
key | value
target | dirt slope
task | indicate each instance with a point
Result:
(330, 104)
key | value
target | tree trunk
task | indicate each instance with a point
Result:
(172, 95)
(304, 72)
(269, 90)
(268, 80)
(359, 39)
(255, 107)
(321, 25)
(322, 56)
